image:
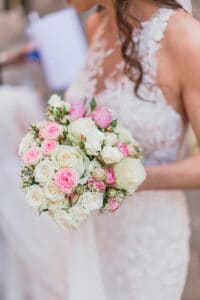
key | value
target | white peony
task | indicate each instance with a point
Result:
(124, 135)
(110, 138)
(26, 143)
(129, 174)
(44, 172)
(91, 200)
(36, 197)
(64, 220)
(85, 129)
(111, 154)
(53, 193)
(70, 157)
(54, 206)
(79, 213)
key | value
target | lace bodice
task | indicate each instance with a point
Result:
(154, 123)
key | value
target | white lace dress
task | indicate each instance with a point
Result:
(141, 252)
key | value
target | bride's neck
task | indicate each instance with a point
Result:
(141, 10)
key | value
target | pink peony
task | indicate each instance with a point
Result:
(124, 149)
(77, 110)
(48, 146)
(110, 176)
(66, 180)
(102, 117)
(32, 156)
(50, 131)
(114, 204)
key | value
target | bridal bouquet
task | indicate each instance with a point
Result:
(80, 160)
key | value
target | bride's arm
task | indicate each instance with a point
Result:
(184, 174)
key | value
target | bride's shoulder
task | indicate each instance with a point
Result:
(183, 35)
(92, 24)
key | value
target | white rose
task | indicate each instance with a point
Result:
(129, 173)
(110, 138)
(93, 145)
(44, 172)
(70, 157)
(124, 135)
(26, 143)
(111, 154)
(36, 197)
(91, 200)
(85, 128)
(79, 213)
(53, 193)
(55, 101)
(64, 220)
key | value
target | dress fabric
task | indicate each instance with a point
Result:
(141, 252)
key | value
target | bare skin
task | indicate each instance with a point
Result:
(178, 76)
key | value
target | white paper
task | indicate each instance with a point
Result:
(62, 45)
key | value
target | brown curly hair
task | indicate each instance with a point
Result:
(125, 22)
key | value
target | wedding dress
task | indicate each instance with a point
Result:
(141, 252)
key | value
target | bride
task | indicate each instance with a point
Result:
(144, 63)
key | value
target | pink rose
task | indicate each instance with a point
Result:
(66, 180)
(32, 156)
(97, 185)
(48, 146)
(124, 149)
(102, 117)
(77, 110)
(50, 131)
(110, 176)
(100, 186)
(114, 204)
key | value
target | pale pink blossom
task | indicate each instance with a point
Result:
(48, 146)
(32, 156)
(77, 110)
(50, 131)
(97, 185)
(102, 117)
(114, 204)
(66, 180)
(100, 186)
(110, 176)
(124, 149)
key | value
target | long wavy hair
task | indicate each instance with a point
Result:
(125, 22)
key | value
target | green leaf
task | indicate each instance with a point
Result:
(93, 104)
(114, 123)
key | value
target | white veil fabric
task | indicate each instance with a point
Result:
(187, 5)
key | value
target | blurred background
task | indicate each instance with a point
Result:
(22, 65)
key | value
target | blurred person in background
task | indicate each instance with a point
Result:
(137, 66)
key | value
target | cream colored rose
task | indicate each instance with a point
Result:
(99, 174)
(44, 172)
(64, 220)
(26, 143)
(53, 193)
(110, 138)
(111, 154)
(124, 135)
(85, 129)
(36, 197)
(79, 213)
(129, 174)
(69, 157)
(91, 200)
